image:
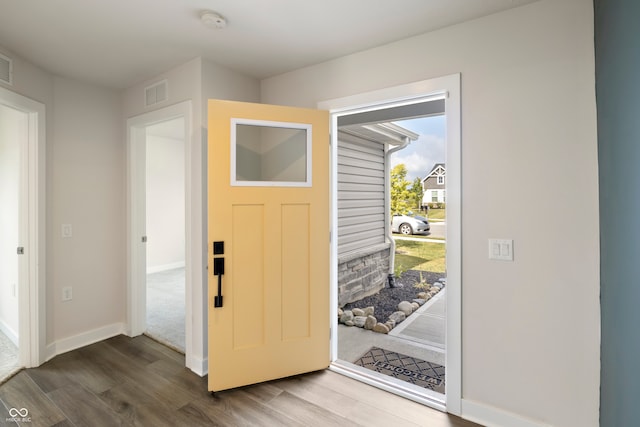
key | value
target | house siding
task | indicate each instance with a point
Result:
(361, 191)
(363, 255)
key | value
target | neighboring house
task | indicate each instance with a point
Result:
(434, 185)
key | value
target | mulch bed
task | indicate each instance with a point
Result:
(386, 301)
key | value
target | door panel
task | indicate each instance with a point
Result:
(269, 204)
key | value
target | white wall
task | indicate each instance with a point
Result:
(531, 327)
(13, 133)
(87, 182)
(165, 202)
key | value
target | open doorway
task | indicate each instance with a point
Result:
(165, 225)
(22, 227)
(13, 134)
(159, 207)
(413, 360)
(391, 277)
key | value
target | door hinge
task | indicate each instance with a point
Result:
(20, 250)
(330, 237)
(144, 239)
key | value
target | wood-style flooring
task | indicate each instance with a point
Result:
(139, 382)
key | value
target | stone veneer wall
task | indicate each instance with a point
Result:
(362, 273)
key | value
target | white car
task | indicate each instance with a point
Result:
(410, 224)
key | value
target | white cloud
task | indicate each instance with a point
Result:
(420, 156)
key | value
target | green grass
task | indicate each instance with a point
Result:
(423, 256)
(437, 214)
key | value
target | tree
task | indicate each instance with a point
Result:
(401, 197)
(417, 192)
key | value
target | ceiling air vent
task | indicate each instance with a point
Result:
(6, 70)
(156, 93)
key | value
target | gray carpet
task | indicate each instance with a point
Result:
(8, 358)
(166, 307)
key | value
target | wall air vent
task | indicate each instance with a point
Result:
(6, 70)
(156, 93)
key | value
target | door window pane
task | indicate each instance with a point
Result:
(270, 154)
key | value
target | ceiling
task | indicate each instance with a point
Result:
(118, 43)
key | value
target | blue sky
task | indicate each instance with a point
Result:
(420, 156)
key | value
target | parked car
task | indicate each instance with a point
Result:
(410, 224)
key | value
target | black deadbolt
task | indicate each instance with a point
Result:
(218, 248)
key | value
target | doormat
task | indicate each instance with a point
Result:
(415, 371)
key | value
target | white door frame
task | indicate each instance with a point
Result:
(136, 220)
(32, 266)
(447, 87)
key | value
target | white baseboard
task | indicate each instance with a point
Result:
(86, 338)
(493, 417)
(10, 333)
(198, 365)
(165, 267)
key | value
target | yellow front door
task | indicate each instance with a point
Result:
(268, 190)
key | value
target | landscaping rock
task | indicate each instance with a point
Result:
(419, 301)
(405, 307)
(359, 321)
(381, 328)
(438, 285)
(347, 316)
(369, 311)
(349, 323)
(340, 312)
(370, 322)
(358, 312)
(415, 306)
(423, 296)
(389, 324)
(398, 316)
(387, 299)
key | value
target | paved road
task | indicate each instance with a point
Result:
(438, 229)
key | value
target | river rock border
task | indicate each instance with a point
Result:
(365, 317)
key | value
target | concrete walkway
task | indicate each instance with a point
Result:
(427, 324)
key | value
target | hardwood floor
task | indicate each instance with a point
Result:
(138, 382)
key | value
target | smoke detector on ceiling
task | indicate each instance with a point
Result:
(213, 19)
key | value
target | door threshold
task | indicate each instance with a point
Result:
(392, 385)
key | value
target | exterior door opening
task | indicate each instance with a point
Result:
(366, 130)
(391, 256)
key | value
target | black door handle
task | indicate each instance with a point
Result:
(218, 270)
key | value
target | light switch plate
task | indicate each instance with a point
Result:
(67, 230)
(501, 249)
